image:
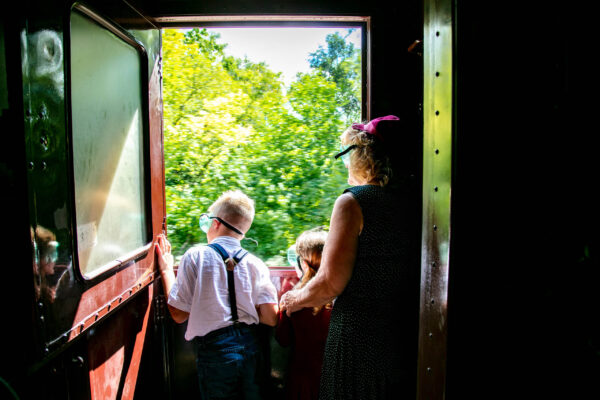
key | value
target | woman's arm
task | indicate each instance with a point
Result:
(337, 261)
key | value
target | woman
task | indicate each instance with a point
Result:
(366, 267)
(306, 330)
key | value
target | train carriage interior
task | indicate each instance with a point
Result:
(499, 100)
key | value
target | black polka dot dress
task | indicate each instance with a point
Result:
(371, 348)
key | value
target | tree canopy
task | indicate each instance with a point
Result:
(232, 124)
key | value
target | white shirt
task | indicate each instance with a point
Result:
(201, 288)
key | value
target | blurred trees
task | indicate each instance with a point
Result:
(340, 63)
(231, 124)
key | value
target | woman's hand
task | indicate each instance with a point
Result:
(163, 253)
(289, 302)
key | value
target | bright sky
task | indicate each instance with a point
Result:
(284, 50)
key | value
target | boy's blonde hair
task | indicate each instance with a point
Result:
(234, 207)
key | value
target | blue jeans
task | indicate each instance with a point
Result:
(227, 362)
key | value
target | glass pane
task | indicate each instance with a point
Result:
(106, 103)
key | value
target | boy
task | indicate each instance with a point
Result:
(227, 348)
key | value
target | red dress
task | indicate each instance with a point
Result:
(307, 334)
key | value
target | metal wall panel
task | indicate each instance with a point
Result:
(437, 157)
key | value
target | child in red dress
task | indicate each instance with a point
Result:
(306, 330)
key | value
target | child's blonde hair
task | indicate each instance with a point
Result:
(309, 247)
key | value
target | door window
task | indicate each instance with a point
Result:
(107, 111)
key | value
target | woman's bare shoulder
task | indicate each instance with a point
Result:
(346, 203)
(347, 213)
(346, 200)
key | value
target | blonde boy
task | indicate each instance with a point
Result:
(227, 349)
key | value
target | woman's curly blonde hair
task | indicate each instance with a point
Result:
(368, 160)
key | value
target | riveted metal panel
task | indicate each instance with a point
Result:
(437, 156)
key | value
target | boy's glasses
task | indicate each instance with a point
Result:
(206, 221)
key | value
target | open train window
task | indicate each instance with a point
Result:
(231, 121)
(108, 74)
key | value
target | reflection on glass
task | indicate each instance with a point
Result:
(106, 101)
(45, 275)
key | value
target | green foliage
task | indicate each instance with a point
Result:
(230, 125)
(340, 63)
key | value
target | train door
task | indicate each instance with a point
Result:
(89, 82)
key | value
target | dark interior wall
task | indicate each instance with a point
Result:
(524, 263)
(17, 317)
